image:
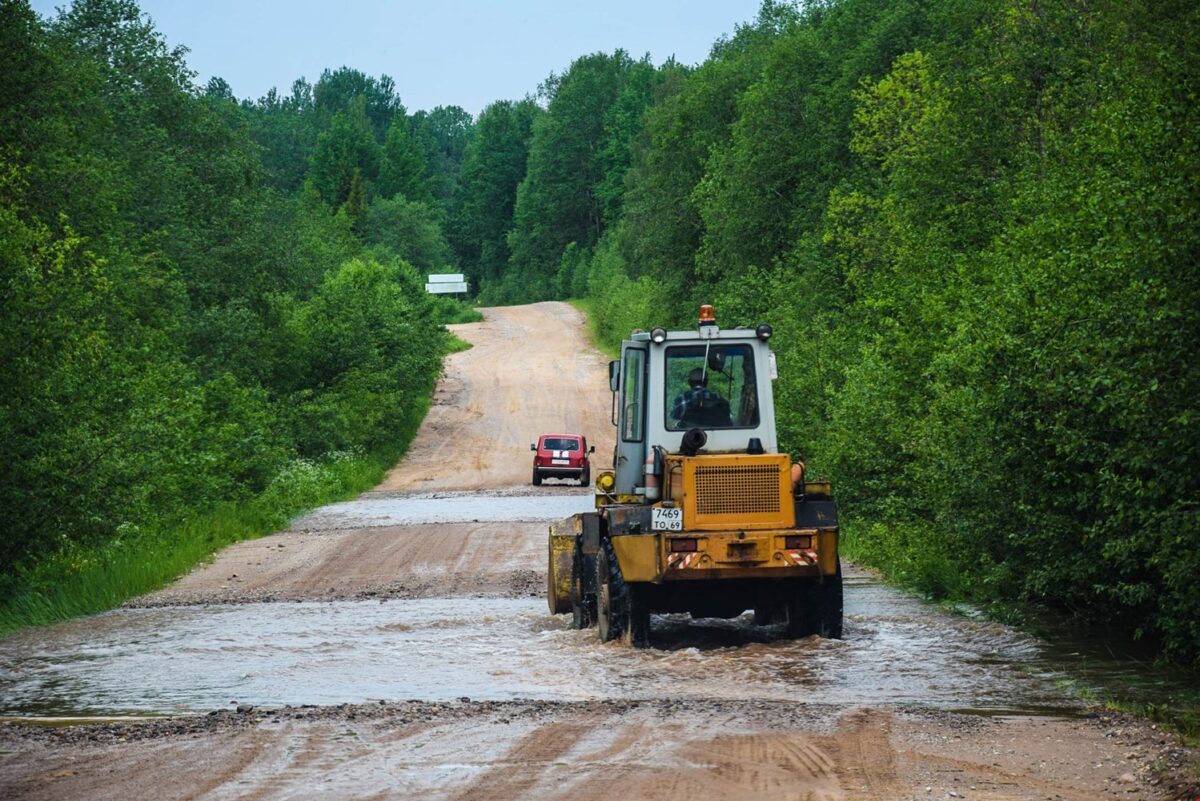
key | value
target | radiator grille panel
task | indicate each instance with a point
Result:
(737, 489)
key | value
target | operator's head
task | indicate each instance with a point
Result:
(698, 378)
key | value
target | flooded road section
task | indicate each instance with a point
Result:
(170, 660)
(379, 509)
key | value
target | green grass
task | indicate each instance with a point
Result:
(456, 344)
(86, 581)
(587, 306)
(89, 581)
(450, 311)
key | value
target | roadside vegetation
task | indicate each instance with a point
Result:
(199, 338)
(972, 224)
(974, 228)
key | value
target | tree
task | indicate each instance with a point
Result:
(410, 230)
(557, 202)
(493, 167)
(443, 133)
(403, 168)
(340, 91)
(346, 147)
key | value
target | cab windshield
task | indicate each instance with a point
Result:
(711, 386)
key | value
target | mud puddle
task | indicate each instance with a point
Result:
(386, 509)
(191, 659)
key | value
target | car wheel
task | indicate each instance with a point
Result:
(537, 478)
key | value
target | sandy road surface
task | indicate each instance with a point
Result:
(455, 528)
(531, 371)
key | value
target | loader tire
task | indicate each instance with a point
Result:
(831, 607)
(612, 596)
(801, 620)
(766, 614)
(816, 608)
(622, 610)
(637, 633)
(583, 609)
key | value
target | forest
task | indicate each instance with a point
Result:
(974, 226)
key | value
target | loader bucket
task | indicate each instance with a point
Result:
(558, 576)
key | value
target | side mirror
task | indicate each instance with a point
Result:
(592, 449)
(614, 376)
(532, 447)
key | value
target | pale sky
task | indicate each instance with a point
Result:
(440, 52)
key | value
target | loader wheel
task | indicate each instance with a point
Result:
(802, 617)
(638, 631)
(583, 611)
(621, 610)
(816, 608)
(537, 478)
(766, 614)
(612, 596)
(830, 593)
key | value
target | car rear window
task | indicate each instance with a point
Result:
(560, 444)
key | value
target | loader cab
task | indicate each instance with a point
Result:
(670, 385)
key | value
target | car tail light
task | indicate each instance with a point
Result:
(798, 543)
(681, 544)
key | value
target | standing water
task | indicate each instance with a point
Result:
(188, 659)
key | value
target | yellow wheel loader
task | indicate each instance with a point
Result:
(701, 513)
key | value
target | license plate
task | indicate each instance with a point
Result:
(560, 461)
(666, 519)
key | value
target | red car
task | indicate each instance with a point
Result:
(562, 456)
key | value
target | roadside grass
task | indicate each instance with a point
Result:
(1180, 715)
(450, 311)
(888, 546)
(84, 581)
(456, 344)
(588, 306)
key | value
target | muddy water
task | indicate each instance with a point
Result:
(897, 650)
(394, 509)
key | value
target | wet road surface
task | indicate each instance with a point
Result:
(167, 660)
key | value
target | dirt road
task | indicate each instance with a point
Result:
(531, 371)
(416, 659)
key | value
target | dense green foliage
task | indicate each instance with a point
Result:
(205, 305)
(975, 227)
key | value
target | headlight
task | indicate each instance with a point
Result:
(658, 335)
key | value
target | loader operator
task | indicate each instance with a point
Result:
(700, 406)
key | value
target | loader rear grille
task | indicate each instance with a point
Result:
(737, 489)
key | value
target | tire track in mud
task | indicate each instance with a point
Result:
(525, 766)
(864, 755)
(774, 766)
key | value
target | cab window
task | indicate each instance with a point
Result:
(710, 386)
(631, 396)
